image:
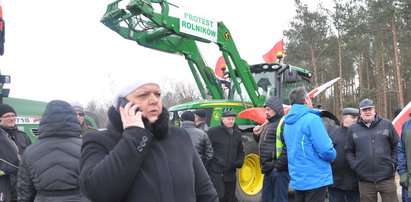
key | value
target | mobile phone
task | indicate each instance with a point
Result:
(121, 102)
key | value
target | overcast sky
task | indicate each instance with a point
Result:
(60, 50)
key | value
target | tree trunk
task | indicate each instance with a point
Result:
(314, 63)
(340, 64)
(380, 90)
(397, 62)
(384, 81)
(360, 75)
(367, 70)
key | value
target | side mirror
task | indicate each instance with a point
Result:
(290, 75)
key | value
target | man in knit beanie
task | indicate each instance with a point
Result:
(273, 159)
(12, 136)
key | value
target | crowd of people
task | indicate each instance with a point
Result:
(141, 157)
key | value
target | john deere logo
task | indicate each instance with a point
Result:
(217, 116)
(226, 35)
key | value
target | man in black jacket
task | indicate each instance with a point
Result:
(19, 140)
(198, 137)
(228, 156)
(200, 119)
(371, 151)
(345, 187)
(276, 177)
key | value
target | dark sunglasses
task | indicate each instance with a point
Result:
(80, 114)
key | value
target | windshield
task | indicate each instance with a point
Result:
(267, 86)
(288, 87)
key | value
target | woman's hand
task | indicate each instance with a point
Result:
(130, 116)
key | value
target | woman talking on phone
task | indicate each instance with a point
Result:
(140, 157)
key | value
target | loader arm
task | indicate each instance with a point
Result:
(139, 22)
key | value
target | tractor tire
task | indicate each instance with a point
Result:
(330, 120)
(249, 177)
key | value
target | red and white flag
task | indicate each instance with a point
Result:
(401, 118)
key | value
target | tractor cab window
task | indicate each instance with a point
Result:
(266, 83)
(234, 93)
(288, 87)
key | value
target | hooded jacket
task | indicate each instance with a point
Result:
(49, 169)
(155, 163)
(309, 149)
(372, 151)
(200, 141)
(267, 140)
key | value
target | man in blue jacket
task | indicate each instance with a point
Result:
(310, 149)
(404, 156)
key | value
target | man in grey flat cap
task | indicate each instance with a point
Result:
(345, 187)
(371, 152)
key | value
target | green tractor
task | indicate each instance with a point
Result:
(29, 112)
(246, 86)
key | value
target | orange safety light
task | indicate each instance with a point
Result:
(280, 54)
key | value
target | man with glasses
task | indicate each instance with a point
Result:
(18, 144)
(81, 115)
(371, 152)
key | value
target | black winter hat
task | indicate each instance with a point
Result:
(187, 116)
(5, 108)
(276, 104)
(201, 113)
(229, 113)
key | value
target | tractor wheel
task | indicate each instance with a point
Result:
(249, 177)
(330, 120)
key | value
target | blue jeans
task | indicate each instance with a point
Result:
(339, 195)
(404, 196)
(275, 186)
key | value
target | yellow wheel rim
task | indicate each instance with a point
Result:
(250, 176)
